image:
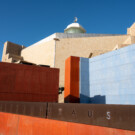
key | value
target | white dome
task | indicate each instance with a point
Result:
(75, 25)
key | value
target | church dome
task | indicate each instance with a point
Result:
(74, 28)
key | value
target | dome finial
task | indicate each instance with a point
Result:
(75, 19)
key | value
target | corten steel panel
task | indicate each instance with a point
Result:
(36, 109)
(8, 124)
(37, 126)
(114, 116)
(81, 129)
(28, 97)
(71, 91)
(28, 79)
(25, 78)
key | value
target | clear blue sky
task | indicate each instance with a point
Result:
(28, 21)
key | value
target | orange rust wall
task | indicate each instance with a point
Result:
(67, 77)
(8, 124)
(11, 124)
(71, 91)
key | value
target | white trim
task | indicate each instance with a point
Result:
(44, 40)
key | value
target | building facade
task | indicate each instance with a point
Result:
(53, 50)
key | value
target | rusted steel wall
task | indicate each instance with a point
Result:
(114, 116)
(71, 91)
(36, 109)
(12, 124)
(28, 83)
(28, 97)
(8, 124)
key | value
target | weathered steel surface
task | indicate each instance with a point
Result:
(28, 97)
(8, 124)
(114, 116)
(71, 91)
(36, 109)
(13, 124)
(31, 83)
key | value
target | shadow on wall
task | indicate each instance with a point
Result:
(71, 99)
(84, 80)
(98, 99)
(85, 99)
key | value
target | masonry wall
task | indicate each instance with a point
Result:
(83, 47)
(111, 77)
(43, 53)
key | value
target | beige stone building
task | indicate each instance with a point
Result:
(53, 50)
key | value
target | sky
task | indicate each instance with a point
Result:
(25, 22)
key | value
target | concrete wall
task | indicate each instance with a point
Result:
(111, 77)
(82, 47)
(43, 53)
